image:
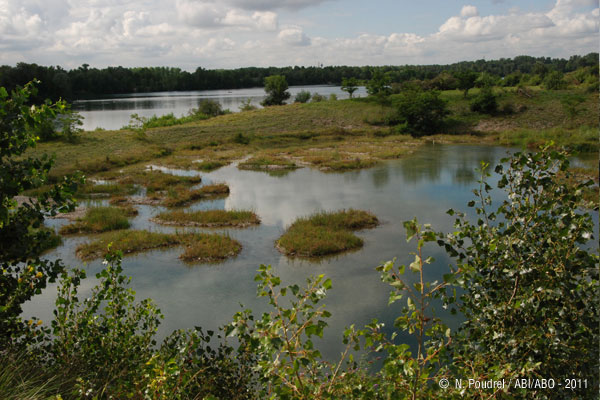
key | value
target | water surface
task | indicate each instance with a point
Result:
(424, 185)
(114, 112)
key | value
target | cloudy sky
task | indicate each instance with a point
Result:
(240, 33)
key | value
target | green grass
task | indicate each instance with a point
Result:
(99, 219)
(91, 189)
(210, 248)
(199, 247)
(328, 135)
(157, 180)
(325, 233)
(208, 218)
(267, 163)
(179, 196)
(21, 379)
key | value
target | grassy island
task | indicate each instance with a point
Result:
(208, 218)
(100, 219)
(200, 247)
(325, 233)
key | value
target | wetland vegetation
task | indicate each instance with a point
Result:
(539, 243)
(325, 233)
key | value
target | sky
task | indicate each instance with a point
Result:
(242, 33)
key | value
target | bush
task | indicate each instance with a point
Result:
(302, 97)
(247, 105)
(276, 87)
(421, 113)
(211, 108)
(529, 279)
(317, 98)
(555, 81)
(485, 102)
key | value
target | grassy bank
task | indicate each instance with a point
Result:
(331, 136)
(200, 247)
(325, 233)
(208, 218)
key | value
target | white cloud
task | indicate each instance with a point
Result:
(294, 36)
(234, 33)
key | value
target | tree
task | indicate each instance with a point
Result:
(349, 85)
(276, 87)
(555, 81)
(379, 85)
(466, 80)
(529, 277)
(421, 113)
(22, 237)
(485, 102)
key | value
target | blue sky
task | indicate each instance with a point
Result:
(238, 33)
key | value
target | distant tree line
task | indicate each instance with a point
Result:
(86, 82)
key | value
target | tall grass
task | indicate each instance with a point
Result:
(99, 219)
(200, 247)
(208, 218)
(325, 233)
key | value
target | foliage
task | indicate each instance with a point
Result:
(421, 113)
(572, 105)
(276, 88)
(23, 274)
(288, 365)
(555, 81)
(212, 108)
(379, 84)
(528, 278)
(89, 82)
(70, 122)
(485, 102)
(466, 80)
(316, 98)
(349, 85)
(404, 374)
(105, 340)
(247, 105)
(302, 96)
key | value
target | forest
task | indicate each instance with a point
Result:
(89, 82)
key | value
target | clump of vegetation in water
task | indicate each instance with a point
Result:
(98, 219)
(208, 218)
(179, 196)
(198, 245)
(91, 189)
(209, 165)
(325, 233)
(206, 247)
(157, 180)
(263, 163)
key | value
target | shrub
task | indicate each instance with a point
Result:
(529, 279)
(485, 102)
(247, 105)
(211, 108)
(302, 97)
(555, 81)
(22, 272)
(317, 98)
(421, 113)
(107, 339)
(276, 87)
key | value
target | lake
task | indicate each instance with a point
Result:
(423, 185)
(114, 112)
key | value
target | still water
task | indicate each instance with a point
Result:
(424, 185)
(114, 112)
